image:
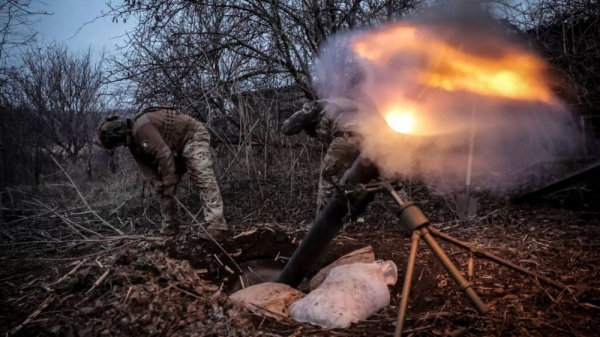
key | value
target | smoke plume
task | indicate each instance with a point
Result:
(430, 82)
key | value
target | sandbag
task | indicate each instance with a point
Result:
(267, 299)
(364, 255)
(350, 293)
(257, 271)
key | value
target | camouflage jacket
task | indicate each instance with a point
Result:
(156, 135)
(324, 119)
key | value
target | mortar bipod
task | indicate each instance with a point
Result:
(414, 220)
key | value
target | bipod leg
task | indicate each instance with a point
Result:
(454, 273)
(410, 268)
(482, 253)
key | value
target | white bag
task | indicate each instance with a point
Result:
(350, 293)
(364, 255)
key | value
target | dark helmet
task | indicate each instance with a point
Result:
(112, 132)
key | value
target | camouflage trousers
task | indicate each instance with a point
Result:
(340, 156)
(199, 164)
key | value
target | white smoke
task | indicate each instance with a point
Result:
(509, 134)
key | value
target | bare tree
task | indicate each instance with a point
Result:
(64, 91)
(193, 52)
(16, 20)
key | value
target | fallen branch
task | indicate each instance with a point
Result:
(84, 201)
(42, 306)
(70, 272)
(99, 281)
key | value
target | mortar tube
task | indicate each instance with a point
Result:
(327, 225)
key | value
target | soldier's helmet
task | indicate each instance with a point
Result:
(302, 119)
(112, 132)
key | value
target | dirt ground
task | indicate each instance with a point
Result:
(152, 286)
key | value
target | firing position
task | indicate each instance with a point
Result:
(319, 121)
(165, 144)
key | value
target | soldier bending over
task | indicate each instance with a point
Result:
(165, 144)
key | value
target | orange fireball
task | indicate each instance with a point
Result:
(436, 63)
(401, 121)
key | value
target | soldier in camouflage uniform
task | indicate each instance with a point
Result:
(319, 120)
(165, 144)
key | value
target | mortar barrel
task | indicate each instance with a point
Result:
(328, 223)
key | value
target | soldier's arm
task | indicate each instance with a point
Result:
(153, 144)
(149, 173)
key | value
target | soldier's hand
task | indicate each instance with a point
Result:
(158, 186)
(169, 191)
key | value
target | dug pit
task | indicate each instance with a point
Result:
(260, 253)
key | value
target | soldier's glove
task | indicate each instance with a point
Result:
(169, 191)
(158, 186)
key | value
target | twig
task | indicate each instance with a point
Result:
(84, 201)
(75, 258)
(42, 306)
(218, 260)
(121, 205)
(187, 292)
(589, 305)
(69, 223)
(208, 234)
(246, 233)
(419, 329)
(26, 218)
(70, 272)
(128, 292)
(127, 237)
(99, 281)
